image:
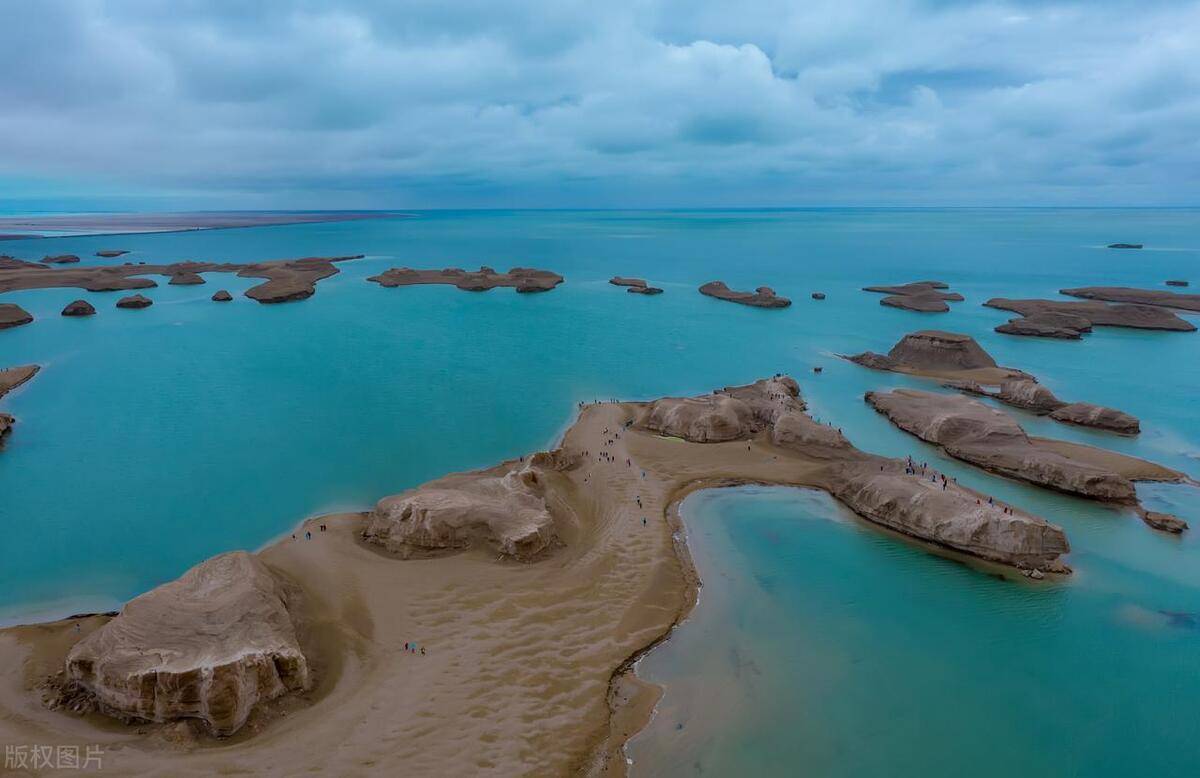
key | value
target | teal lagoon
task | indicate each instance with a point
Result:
(155, 438)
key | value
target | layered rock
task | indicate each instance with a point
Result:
(1048, 324)
(1126, 294)
(952, 516)
(222, 296)
(186, 278)
(934, 352)
(79, 308)
(1098, 416)
(209, 646)
(13, 315)
(1028, 394)
(762, 297)
(920, 296)
(522, 279)
(1163, 522)
(135, 301)
(973, 432)
(877, 489)
(732, 413)
(60, 259)
(622, 281)
(111, 253)
(503, 509)
(647, 290)
(1094, 313)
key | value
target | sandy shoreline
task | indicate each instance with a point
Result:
(530, 666)
(117, 224)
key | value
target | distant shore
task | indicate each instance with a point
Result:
(82, 225)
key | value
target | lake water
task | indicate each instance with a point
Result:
(155, 438)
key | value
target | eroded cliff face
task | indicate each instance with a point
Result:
(1098, 416)
(732, 413)
(210, 645)
(503, 510)
(949, 516)
(975, 433)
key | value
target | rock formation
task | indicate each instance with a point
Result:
(135, 301)
(110, 253)
(210, 646)
(973, 432)
(222, 296)
(503, 508)
(11, 378)
(186, 278)
(1099, 417)
(61, 259)
(920, 296)
(523, 279)
(877, 489)
(1048, 324)
(1177, 282)
(1125, 294)
(763, 297)
(1097, 313)
(79, 308)
(1163, 522)
(938, 354)
(1125, 245)
(818, 295)
(13, 315)
(285, 279)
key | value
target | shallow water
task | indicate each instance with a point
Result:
(155, 438)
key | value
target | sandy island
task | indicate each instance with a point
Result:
(529, 590)
(919, 296)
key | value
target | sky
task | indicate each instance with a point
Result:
(561, 104)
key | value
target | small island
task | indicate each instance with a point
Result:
(762, 297)
(635, 285)
(522, 279)
(11, 378)
(13, 315)
(919, 296)
(1070, 319)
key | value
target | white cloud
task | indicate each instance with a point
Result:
(660, 102)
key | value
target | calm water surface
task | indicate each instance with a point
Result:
(153, 439)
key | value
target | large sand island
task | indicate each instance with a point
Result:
(484, 623)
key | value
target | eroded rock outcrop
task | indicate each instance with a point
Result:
(1163, 522)
(13, 315)
(222, 296)
(973, 432)
(1095, 313)
(209, 646)
(1048, 324)
(937, 353)
(920, 296)
(503, 509)
(951, 516)
(1126, 294)
(186, 278)
(762, 297)
(11, 378)
(732, 413)
(60, 259)
(522, 279)
(135, 301)
(285, 280)
(1099, 417)
(878, 489)
(79, 308)
(111, 253)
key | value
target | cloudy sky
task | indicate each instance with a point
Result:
(558, 103)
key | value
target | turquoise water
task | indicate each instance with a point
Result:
(155, 438)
